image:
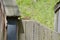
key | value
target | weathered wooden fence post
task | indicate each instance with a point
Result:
(57, 17)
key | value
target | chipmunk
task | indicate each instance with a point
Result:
(26, 18)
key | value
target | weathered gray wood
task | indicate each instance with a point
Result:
(11, 8)
(29, 30)
(12, 11)
(35, 31)
(9, 2)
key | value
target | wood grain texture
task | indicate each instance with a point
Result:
(36, 31)
(11, 8)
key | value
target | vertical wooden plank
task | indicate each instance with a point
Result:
(49, 34)
(42, 35)
(39, 31)
(45, 33)
(29, 30)
(54, 36)
(58, 36)
(35, 31)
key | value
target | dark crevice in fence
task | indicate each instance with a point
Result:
(20, 28)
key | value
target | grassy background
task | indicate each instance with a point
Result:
(39, 10)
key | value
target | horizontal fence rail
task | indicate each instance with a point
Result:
(32, 30)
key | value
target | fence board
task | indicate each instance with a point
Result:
(29, 30)
(35, 31)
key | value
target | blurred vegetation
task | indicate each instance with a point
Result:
(39, 10)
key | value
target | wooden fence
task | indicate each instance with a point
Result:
(2, 21)
(32, 30)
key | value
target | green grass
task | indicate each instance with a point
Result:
(39, 10)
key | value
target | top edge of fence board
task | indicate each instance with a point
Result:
(40, 24)
(37, 31)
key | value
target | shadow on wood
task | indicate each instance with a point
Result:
(20, 28)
